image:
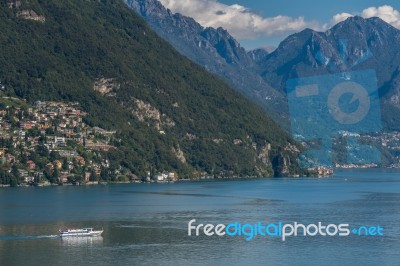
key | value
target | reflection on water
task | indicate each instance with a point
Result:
(147, 224)
(81, 241)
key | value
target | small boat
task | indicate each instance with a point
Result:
(80, 232)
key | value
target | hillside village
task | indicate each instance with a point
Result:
(49, 143)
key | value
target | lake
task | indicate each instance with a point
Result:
(147, 224)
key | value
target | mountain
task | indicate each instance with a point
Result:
(169, 113)
(352, 45)
(356, 44)
(214, 49)
(258, 55)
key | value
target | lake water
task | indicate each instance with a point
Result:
(146, 224)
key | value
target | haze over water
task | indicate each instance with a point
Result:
(146, 224)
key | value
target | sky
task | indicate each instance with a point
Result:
(257, 24)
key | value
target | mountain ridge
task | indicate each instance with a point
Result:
(352, 45)
(214, 49)
(355, 35)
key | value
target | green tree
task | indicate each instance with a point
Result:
(93, 176)
(65, 164)
(55, 176)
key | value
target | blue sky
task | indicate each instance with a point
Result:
(265, 23)
(322, 10)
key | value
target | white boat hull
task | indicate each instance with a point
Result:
(80, 232)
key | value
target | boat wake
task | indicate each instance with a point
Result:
(23, 237)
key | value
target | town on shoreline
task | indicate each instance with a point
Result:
(49, 143)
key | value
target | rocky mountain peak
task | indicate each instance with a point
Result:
(258, 55)
(147, 7)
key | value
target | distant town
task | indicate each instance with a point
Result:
(49, 144)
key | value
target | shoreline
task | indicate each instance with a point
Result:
(144, 182)
(209, 178)
(224, 179)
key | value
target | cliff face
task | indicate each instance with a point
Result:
(22, 10)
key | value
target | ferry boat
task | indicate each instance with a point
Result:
(80, 232)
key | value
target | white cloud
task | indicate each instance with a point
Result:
(386, 13)
(241, 22)
(340, 17)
